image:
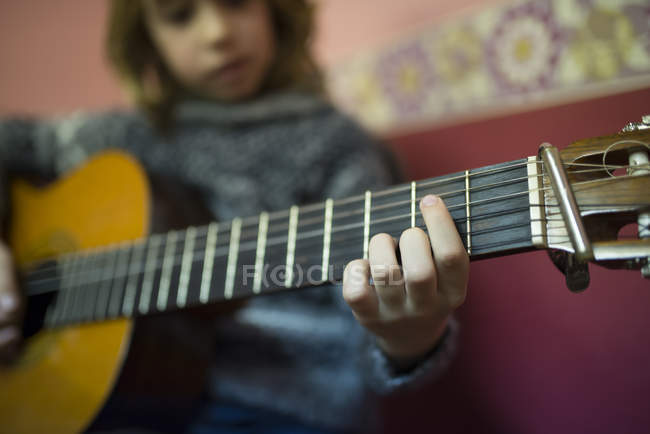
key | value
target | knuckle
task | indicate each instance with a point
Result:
(453, 259)
(457, 298)
(420, 276)
(393, 298)
(385, 274)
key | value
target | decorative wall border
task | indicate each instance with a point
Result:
(504, 58)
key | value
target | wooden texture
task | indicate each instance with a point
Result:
(64, 375)
(608, 199)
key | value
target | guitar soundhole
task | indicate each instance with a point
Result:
(37, 305)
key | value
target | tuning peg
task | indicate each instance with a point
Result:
(576, 272)
(636, 126)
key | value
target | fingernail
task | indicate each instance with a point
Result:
(429, 200)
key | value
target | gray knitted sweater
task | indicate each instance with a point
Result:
(301, 354)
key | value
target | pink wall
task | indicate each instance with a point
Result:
(51, 55)
(52, 51)
(347, 27)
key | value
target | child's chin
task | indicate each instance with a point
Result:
(234, 93)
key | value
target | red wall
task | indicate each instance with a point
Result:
(535, 358)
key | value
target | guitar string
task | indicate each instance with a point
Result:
(498, 228)
(281, 242)
(316, 253)
(283, 226)
(81, 312)
(74, 316)
(201, 231)
(451, 208)
(223, 233)
(348, 253)
(319, 220)
(89, 271)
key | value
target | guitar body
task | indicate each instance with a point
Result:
(96, 375)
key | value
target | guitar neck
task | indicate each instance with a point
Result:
(495, 209)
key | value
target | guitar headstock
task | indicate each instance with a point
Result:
(604, 214)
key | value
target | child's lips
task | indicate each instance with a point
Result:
(230, 71)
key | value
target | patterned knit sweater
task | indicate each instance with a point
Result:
(299, 354)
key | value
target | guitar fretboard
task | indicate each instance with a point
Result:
(303, 246)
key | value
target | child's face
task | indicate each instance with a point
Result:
(221, 49)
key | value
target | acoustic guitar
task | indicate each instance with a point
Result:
(116, 320)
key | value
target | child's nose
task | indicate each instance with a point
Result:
(215, 24)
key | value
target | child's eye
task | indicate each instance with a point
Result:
(180, 15)
(233, 3)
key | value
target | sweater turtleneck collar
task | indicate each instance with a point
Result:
(270, 107)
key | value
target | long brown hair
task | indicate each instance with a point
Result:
(153, 89)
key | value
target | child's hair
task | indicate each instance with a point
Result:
(153, 89)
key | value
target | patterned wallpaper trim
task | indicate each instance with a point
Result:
(512, 57)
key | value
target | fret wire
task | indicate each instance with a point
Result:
(64, 294)
(366, 223)
(165, 274)
(260, 251)
(69, 301)
(54, 308)
(149, 271)
(467, 214)
(232, 258)
(74, 290)
(186, 266)
(535, 199)
(83, 291)
(119, 280)
(75, 293)
(101, 306)
(208, 264)
(128, 303)
(413, 204)
(92, 291)
(326, 238)
(291, 246)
